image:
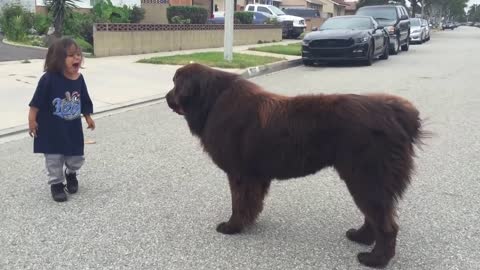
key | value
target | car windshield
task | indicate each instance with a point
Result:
(415, 22)
(379, 13)
(347, 23)
(276, 10)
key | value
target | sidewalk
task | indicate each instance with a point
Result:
(113, 82)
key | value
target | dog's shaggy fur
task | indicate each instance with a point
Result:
(256, 136)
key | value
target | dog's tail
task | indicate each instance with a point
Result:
(409, 118)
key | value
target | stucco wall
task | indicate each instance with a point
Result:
(127, 39)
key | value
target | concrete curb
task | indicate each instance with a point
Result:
(270, 68)
(6, 41)
(247, 74)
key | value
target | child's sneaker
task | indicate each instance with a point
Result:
(58, 192)
(72, 182)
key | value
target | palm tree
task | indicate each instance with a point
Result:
(60, 9)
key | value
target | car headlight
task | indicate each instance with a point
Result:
(305, 42)
(361, 40)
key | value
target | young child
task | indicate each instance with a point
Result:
(54, 118)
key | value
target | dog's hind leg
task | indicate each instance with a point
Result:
(379, 210)
(364, 235)
(247, 203)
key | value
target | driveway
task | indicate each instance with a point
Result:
(12, 53)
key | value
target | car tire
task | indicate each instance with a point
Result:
(405, 47)
(307, 62)
(371, 50)
(396, 49)
(386, 51)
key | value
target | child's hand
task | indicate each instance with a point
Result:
(32, 128)
(90, 122)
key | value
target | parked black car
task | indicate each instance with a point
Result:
(346, 38)
(395, 19)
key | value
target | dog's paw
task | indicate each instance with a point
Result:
(227, 228)
(372, 260)
(361, 236)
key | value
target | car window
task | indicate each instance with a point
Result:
(264, 9)
(347, 23)
(260, 15)
(251, 8)
(415, 22)
(305, 13)
(381, 13)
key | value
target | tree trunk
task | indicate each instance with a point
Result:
(414, 7)
(58, 24)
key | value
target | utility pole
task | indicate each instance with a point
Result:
(228, 36)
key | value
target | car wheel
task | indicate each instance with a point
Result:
(371, 50)
(307, 62)
(396, 47)
(406, 46)
(386, 51)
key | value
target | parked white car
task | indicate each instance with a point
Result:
(417, 32)
(428, 29)
(298, 22)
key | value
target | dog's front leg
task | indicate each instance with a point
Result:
(247, 203)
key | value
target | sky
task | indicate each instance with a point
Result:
(471, 2)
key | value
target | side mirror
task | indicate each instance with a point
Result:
(379, 27)
(314, 28)
(404, 17)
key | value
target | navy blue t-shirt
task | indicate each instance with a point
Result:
(61, 102)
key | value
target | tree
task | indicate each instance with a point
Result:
(474, 13)
(454, 9)
(60, 9)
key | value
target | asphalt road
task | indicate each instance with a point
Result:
(12, 53)
(150, 198)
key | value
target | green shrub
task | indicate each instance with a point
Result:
(80, 25)
(41, 23)
(243, 17)
(272, 21)
(196, 15)
(16, 22)
(105, 11)
(86, 47)
(180, 20)
(136, 14)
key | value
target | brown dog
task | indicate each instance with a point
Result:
(256, 136)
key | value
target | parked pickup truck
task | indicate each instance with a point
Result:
(298, 22)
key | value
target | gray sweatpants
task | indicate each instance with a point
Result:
(55, 163)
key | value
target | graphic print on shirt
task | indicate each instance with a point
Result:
(68, 108)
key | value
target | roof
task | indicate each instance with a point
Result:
(340, 3)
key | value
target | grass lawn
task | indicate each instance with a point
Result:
(213, 59)
(290, 49)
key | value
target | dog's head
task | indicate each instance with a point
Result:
(195, 91)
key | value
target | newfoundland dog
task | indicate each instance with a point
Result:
(256, 136)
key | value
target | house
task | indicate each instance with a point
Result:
(351, 7)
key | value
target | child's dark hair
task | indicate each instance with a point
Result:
(57, 52)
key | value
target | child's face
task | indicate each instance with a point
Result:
(73, 60)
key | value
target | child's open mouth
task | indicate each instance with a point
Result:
(76, 65)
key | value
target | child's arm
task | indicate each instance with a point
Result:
(32, 121)
(90, 122)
